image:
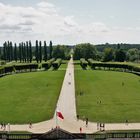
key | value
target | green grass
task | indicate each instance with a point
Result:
(29, 97)
(118, 102)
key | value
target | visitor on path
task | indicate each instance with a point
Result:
(30, 125)
(102, 126)
(77, 117)
(126, 121)
(1, 125)
(80, 129)
(69, 83)
(86, 122)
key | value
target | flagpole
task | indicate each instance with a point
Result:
(56, 118)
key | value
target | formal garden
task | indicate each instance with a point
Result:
(32, 76)
(107, 96)
(30, 83)
(106, 91)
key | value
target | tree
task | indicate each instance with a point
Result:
(20, 52)
(40, 51)
(59, 51)
(10, 51)
(51, 49)
(27, 51)
(36, 52)
(15, 52)
(45, 51)
(85, 50)
(5, 51)
(108, 54)
(120, 55)
(30, 51)
(24, 52)
(132, 54)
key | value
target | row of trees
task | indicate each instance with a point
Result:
(25, 52)
(108, 53)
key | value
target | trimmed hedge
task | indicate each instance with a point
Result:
(48, 64)
(113, 65)
(30, 67)
(2, 62)
(56, 64)
(2, 71)
(83, 62)
(8, 69)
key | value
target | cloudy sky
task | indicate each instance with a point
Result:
(70, 21)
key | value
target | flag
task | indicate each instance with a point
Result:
(59, 114)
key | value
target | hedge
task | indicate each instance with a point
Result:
(56, 64)
(48, 64)
(113, 65)
(83, 62)
(30, 67)
(8, 69)
(2, 71)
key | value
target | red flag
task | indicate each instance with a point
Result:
(59, 114)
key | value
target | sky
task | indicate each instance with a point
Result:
(70, 21)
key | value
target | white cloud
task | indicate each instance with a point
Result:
(44, 22)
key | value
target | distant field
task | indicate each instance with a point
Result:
(29, 97)
(107, 96)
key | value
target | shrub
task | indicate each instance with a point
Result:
(48, 64)
(30, 67)
(8, 69)
(83, 62)
(2, 71)
(56, 64)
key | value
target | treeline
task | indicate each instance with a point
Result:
(24, 52)
(108, 52)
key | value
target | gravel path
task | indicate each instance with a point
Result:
(66, 104)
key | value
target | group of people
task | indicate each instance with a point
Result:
(84, 119)
(101, 126)
(3, 126)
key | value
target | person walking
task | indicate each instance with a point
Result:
(80, 129)
(77, 117)
(30, 125)
(86, 122)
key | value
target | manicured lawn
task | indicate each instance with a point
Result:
(29, 97)
(108, 96)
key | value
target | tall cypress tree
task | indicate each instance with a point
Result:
(4, 51)
(45, 51)
(0, 53)
(36, 51)
(11, 51)
(51, 49)
(27, 51)
(20, 52)
(40, 51)
(30, 51)
(8, 51)
(15, 52)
